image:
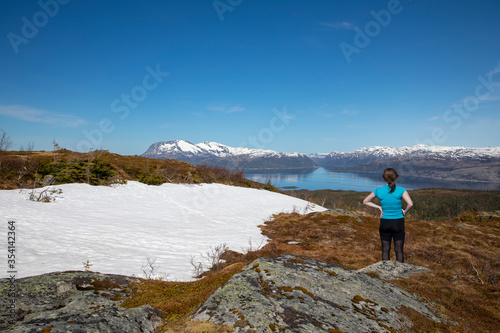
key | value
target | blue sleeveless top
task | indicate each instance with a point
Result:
(390, 202)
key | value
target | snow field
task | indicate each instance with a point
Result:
(117, 228)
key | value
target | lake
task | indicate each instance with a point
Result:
(321, 178)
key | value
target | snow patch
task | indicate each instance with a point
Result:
(116, 228)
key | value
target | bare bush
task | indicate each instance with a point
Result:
(44, 195)
(196, 267)
(31, 146)
(251, 247)
(150, 269)
(211, 260)
(5, 142)
(212, 174)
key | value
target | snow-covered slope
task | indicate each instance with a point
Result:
(214, 153)
(116, 228)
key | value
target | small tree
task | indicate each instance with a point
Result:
(56, 148)
(5, 142)
(31, 146)
(90, 157)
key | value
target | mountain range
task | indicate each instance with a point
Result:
(437, 162)
(213, 153)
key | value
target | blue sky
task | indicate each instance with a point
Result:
(304, 76)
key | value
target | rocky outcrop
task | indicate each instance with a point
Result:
(289, 293)
(296, 294)
(72, 302)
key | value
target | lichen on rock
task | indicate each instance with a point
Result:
(74, 302)
(298, 294)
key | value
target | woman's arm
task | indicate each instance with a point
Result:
(368, 202)
(409, 202)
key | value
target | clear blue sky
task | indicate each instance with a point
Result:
(304, 76)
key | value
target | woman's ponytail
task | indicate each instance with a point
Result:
(390, 175)
(392, 185)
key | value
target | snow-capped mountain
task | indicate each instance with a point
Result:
(214, 153)
(367, 154)
(457, 163)
(459, 151)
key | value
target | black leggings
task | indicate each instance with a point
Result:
(392, 229)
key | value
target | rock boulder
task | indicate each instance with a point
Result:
(297, 294)
(72, 302)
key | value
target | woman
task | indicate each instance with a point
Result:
(392, 223)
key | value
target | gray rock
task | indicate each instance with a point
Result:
(464, 226)
(296, 294)
(393, 270)
(489, 216)
(48, 180)
(73, 302)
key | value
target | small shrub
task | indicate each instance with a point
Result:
(45, 195)
(87, 265)
(218, 174)
(150, 270)
(116, 181)
(470, 215)
(268, 186)
(211, 260)
(152, 179)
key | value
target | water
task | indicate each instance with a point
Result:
(320, 178)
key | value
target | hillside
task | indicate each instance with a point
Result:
(24, 169)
